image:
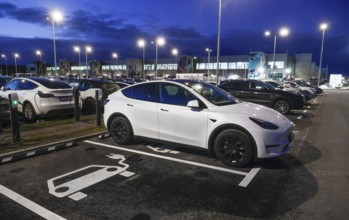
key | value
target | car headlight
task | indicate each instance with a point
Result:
(264, 124)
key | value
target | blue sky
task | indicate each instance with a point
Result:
(189, 25)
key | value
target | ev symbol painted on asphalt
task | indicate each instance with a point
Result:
(162, 150)
(98, 173)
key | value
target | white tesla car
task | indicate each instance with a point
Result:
(198, 114)
(41, 97)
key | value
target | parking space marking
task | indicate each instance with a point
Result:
(305, 111)
(299, 117)
(34, 207)
(244, 183)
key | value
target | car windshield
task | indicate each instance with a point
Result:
(52, 83)
(212, 93)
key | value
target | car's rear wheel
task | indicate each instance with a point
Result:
(233, 148)
(282, 106)
(89, 107)
(29, 112)
(121, 130)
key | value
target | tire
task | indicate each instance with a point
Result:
(282, 106)
(233, 148)
(29, 113)
(89, 107)
(121, 131)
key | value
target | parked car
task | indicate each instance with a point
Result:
(40, 97)
(312, 91)
(193, 113)
(4, 80)
(261, 93)
(87, 89)
(305, 84)
(306, 94)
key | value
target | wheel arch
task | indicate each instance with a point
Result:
(223, 127)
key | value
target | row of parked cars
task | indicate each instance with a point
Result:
(41, 97)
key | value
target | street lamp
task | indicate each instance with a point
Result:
(219, 36)
(56, 16)
(323, 27)
(283, 33)
(141, 43)
(160, 41)
(175, 53)
(208, 50)
(77, 49)
(16, 56)
(88, 49)
(4, 56)
(38, 52)
(115, 56)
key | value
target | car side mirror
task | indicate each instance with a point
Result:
(193, 104)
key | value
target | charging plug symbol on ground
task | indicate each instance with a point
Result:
(71, 183)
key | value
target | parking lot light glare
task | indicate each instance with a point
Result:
(57, 16)
(267, 33)
(160, 41)
(323, 26)
(284, 32)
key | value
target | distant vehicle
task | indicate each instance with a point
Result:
(87, 89)
(303, 83)
(261, 93)
(197, 114)
(4, 80)
(295, 85)
(307, 95)
(41, 97)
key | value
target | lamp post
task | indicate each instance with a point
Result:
(77, 49)
(141, 43)
(160, 41)
(115, 56)
(16, 56)
(38, 52)
(208, 50)
(283, 33)
(56, 16)
(4, 56)
(88, 49)
(219, 37)
(323, 27)
(175, 53)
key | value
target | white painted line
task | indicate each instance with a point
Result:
(30, 153)
(126, 174)
(51, 148)
(249, 177)
(299, 117)
(174, 152)
(173, 159)
(305, 111)
(47, 214)
(69, 144)
(77, 196)
(7, 159)
(308, 107)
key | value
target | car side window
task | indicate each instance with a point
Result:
(26, 85)
(13, 85)
(175, 95)
(145, 92)
(226, 85)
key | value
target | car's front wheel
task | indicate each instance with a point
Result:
(121, 130)
(29, 112)
(282, 106)
(233, 148)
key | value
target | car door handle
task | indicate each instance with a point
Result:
(164, 110)
(130, 105)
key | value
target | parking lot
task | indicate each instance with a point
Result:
(100, 180)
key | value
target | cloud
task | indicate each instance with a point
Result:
(35, 15)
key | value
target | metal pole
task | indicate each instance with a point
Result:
(208, 64)
(42, 71)
(274, 54)
(79, 65)
(86, 63)
(156, 60)
(322, 49)
(54, 45)
(219, 38)
(16, 64)
(143, 62)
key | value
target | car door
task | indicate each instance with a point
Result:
(141, 109)
(259, 93)
(177, 122)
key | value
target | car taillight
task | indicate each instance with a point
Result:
(45, 95)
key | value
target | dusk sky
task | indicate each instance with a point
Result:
(189, 25)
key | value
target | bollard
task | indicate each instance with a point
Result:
(98, 98)
(13, 102)
(76, 95)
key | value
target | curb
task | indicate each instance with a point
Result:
(42, 149)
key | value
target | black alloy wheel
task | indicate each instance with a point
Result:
(121, 131)
(282, 106)
(233, 148)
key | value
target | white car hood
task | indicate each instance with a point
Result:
(253, 110)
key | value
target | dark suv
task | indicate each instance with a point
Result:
(261, 93)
